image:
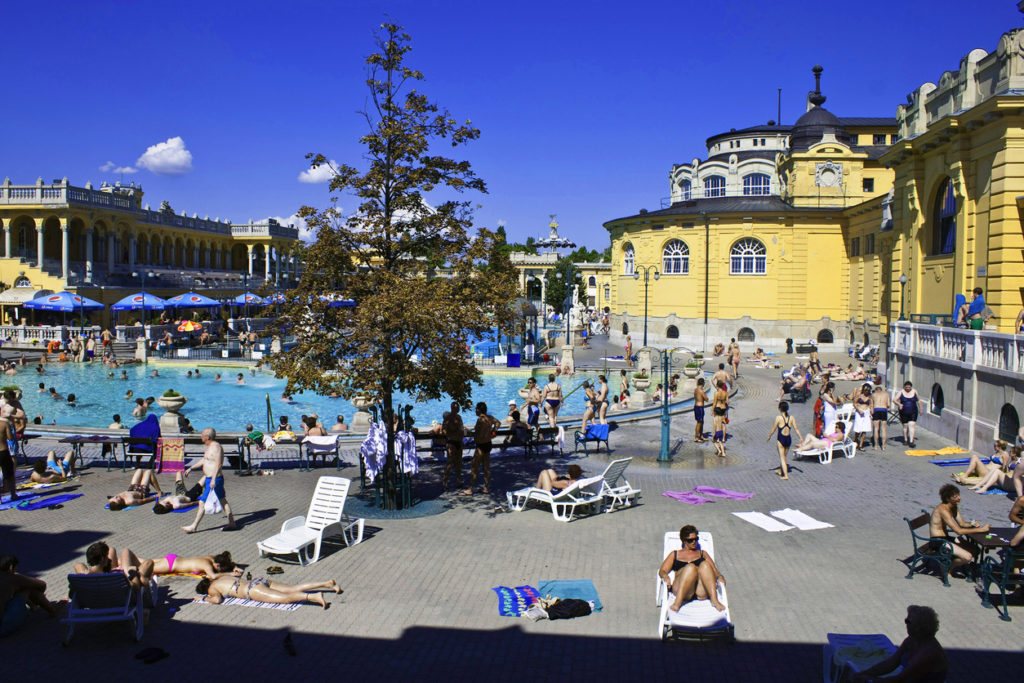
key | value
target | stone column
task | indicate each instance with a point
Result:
(7, 240)
(208, 256)
(295, 267)
(249, 253)
(131, 251)
(110, 252)
(160, 253)
(65, 251)
(39, 242)
(277, 265)
(149, 252)
(266, 262)
(195, 257)
(88, 253)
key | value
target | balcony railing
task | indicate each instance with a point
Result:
(971, 348)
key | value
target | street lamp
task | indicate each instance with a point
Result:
(903, 289)
(647, 276)
(707, 273)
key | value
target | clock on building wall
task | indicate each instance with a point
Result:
(828, 174)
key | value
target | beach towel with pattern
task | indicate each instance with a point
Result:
(512, 602)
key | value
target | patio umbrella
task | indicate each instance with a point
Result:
(191, 300)
(334, 302)
(189, 326)
(65, 302)
(248, 299)
(142, 301)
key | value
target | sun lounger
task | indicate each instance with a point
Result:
(697, 617)
(615, 489)
(103, 598)
(303, 535)
(564, 503)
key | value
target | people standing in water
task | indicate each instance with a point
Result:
(700, 398)
(602, 399)
(551, 398)
(783, 429)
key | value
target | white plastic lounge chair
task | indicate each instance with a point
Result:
(323, 446)
(303, 536)
(615, 487)
(848, 447)
(103, 598)
(564, 503)
(696, 617)
(844, 414)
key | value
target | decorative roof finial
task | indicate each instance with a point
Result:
(816, 98)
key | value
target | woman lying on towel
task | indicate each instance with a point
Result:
(977, 471)
(264, 590)
(811, 442)
(210, 566)
(549, 479)
(696, 576)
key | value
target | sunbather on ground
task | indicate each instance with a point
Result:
(210, 566)
(811, 442)
(549, 479)
(977, 471)
(17, 590)
(51, 470)
(1001, 477)
(102, 559)
(138, 492)
(181, 498)
(696, 575)
(264, 590)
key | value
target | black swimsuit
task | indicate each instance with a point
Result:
(678, 564)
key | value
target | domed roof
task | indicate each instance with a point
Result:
(809, 128)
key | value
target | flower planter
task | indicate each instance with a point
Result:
(641, 383)
(170, 420)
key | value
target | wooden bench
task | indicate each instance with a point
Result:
(1005, 573)
(929, 549)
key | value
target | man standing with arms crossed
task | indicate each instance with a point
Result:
(212, 463)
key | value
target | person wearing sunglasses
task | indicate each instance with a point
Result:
(695, 575)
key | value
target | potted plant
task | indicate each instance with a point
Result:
(641, 381)
(12, 387)
(171, 401)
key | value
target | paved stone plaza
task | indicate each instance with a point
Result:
(418, 606)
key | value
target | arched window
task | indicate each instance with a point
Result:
(607, 293)
(672, 332)
(825, 337)
(747, 257)
(745, 334)
(628, 259)
(944, 220)
(714, 186)
(756, 184)
(1009, 423)
(684, 190)
(937, 402)
(851, 337)
(625, 328)
(675, 258)
(867, 339)
(592, 281)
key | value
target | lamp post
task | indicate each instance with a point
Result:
(647, 277)
(707, 275)
(903, 289)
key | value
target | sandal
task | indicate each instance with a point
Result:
(275, 569)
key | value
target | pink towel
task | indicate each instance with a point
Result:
(722, 493)
(688, 497)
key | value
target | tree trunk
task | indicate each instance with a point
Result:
(390, 488)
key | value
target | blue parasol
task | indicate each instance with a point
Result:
(65, 302)
(142, 301)
(248, 299)
(191, 300)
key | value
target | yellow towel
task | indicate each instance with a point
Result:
(920, 453)
(948, 450)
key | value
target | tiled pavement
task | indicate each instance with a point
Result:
(418, 606)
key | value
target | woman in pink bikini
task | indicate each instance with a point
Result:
(210, 566)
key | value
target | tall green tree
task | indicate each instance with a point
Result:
(422, 283)
(559, 280)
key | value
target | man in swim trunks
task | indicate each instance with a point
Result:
(138, 492)
(180, 499)
(880, 403)
(212, 464)
(551, 398)
(700, 398)
(533, 401)
(51, 470)
(946, 517)
(721, 376)
(102, 559)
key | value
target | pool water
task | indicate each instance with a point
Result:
(228, 406)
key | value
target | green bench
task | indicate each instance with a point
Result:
(1005, 573)
(929, 549)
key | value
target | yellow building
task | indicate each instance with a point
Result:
(103, 242)
(756, 240)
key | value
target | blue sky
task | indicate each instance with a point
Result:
(583, 107)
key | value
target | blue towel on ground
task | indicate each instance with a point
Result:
(581, 589)
(597, 432)
(512, 602)
(953, 462)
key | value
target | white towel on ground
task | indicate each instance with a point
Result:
(762, 520)
(800, 520)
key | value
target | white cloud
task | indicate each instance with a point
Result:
(306, 233)
(167, 158)
(320, 174)
(109, 167)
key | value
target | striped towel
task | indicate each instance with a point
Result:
(242, 602)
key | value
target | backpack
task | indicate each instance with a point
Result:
(568, 608)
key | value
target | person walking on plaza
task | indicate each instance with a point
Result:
(483, 433)
(212, 464)
(880, 403)
(734, 357)
(783, 429)
(909, 404)
(700, 399)
(719, 408)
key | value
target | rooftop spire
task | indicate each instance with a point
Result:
(816, 98)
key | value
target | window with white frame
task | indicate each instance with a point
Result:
(756, 184)
(675, 258)
(747, 257)
(714, 186)
(684, 190)
(628, 259)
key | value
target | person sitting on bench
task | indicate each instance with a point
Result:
(946, 516)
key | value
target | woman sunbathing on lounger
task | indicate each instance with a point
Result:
(549, 479)
(696, 575)
(138, 492)
(51, 470)
(210, 566)
(977, 471)
(264, 590)
(811, 442)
